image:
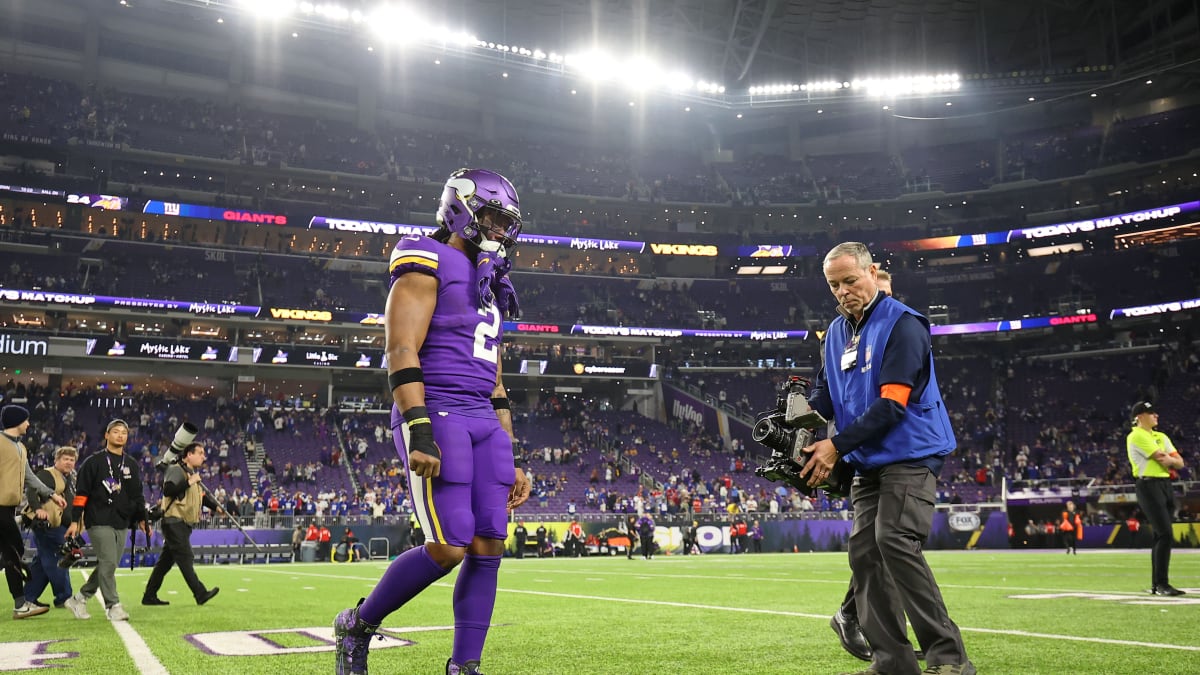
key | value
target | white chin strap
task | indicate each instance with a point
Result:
(490, 246)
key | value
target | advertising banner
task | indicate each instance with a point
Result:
(582, 243)
(1013, 324)
(36, 191)
(1153, 310)
(162, 208)
(367, 226)
(106, 202)
(168, 349)
(637, 331)
(24, 344)
(683, 406)
(1043, 231)
(107, 301)
(791, 535)
(772, 251)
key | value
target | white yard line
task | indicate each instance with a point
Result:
(143, 659)
(776, 612)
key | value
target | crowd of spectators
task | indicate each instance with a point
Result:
(1018, 419)
(1027, 419)
(58, 111)
(1022, 287)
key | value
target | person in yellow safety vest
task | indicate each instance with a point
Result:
(1153, 456)
(1071, 528)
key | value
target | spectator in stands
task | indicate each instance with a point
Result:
(878, 355)
(183, 497)
(439, 284)
(1153, 457)
(15, 478)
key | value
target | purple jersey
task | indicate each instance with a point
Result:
(461, 348)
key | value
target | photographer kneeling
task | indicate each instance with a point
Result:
(183, 495)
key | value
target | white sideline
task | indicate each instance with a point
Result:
(143, 659)
(776, 612)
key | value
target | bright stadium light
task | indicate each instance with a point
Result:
(327, 10)
(640, 74)
(595, 65)
(270, 9)
(398, 25)
(908, 85)
(678, 81)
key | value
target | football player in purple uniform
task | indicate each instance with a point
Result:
(452, 423)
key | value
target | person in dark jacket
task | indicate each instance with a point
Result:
(108, 497)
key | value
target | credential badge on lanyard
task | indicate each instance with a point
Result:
(850, 354)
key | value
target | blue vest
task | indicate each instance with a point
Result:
(925, 430)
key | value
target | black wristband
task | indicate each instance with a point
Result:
(420, 432)
(404, 376)
(416, 415)
(500, 403)
(517, 453)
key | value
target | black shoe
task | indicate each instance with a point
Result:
(153, 601)
(851, 636)
(35, 603)
(209, 595)
(1166, 589)
(61, 605)
(920, 654)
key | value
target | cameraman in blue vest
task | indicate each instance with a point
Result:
(879, 386)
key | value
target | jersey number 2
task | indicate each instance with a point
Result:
(487, 330)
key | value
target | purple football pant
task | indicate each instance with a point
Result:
(470, 496)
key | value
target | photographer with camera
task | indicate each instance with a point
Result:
(15, 474)
(183, 495)
(48, 523)
(880, 387)
(108, 497)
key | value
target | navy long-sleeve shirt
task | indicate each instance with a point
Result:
(906, 362)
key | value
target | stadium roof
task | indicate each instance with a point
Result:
(742, 40)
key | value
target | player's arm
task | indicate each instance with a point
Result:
(410, 306)
(521, 487)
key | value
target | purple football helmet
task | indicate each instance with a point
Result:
(467, 193)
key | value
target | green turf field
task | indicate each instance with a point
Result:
(1020, 613)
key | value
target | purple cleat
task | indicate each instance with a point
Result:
(468, 668)
(352, 638)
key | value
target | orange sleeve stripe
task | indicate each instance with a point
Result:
(80, 501)
(896, 392)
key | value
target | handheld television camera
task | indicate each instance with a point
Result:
(71, 551)
(787, 430)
